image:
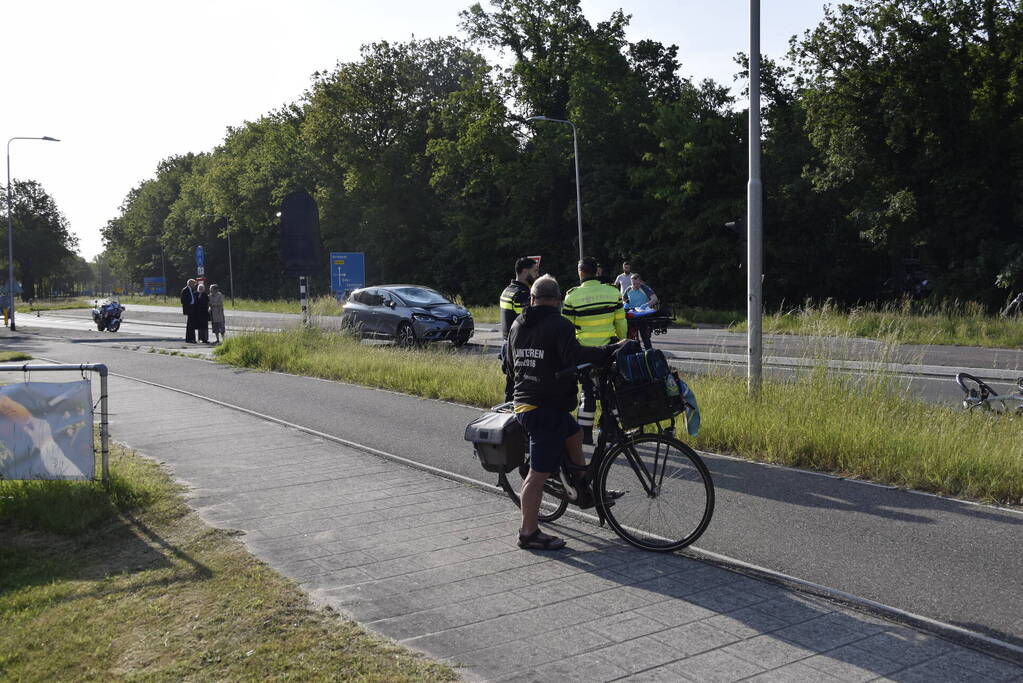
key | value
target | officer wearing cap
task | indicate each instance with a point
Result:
(514, 299)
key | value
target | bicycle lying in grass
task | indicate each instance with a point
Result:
(653, 490)
(980, 396)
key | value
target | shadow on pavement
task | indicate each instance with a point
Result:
(842, 495)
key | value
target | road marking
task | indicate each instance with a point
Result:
(940, 628)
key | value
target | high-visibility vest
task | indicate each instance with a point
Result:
(597, 312)
(514, 299)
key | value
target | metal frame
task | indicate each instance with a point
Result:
(104, 427)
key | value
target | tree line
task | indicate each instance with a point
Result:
(892, 154)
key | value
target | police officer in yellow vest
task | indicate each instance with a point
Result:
(514, 298)
(597, 312)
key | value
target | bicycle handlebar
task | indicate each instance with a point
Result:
(573, 371)
(985, 390)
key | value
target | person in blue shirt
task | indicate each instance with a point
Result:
(640, 296)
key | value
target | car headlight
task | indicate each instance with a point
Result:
(422, 316)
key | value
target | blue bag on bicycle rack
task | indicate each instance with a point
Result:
(645, 366)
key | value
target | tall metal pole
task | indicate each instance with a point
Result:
(10, 243)
(230, 266)
(10, 229)
(230, 261)
(578, 191)
(754, 208)
(163, 271)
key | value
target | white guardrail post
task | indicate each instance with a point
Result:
(104, 430)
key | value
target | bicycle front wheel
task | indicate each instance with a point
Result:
(657, 493)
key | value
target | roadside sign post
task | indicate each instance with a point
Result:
(300, 241)
(154, 285)
(347, 272)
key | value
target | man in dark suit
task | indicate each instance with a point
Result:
(188, 301)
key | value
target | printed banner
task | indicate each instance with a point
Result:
(46, 431)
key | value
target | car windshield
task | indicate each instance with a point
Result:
(420, 296)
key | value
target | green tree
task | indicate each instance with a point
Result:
(367, 128)
(42, 239)
(915, 107)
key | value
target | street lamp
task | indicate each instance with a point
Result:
(10, 229)
(578, 200)
(754, 213)
(230, 266)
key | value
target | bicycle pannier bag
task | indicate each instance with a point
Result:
(641, 404)
(499, 441)
(637, 368)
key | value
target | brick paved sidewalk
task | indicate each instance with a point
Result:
(432, 563)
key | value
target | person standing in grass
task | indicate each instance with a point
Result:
(217, 320)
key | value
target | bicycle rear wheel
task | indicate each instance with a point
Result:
(663, 496)
(551, 507)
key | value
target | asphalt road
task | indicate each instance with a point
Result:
(925, 371)
(944, 559)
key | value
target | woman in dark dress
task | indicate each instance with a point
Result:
(202, 314)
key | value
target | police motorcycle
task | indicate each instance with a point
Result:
(107, 315)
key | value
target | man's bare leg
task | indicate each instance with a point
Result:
(574, 444)
(529, 500)
(530, 536)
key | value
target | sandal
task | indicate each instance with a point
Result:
(540, 541)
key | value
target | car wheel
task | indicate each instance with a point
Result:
(460, 341)
(405, 337)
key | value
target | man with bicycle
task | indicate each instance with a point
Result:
(542, 342)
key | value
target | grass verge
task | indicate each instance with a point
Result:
(126, 582)
(819, 421)
(13, 356)
(54, 305)
(908, 322)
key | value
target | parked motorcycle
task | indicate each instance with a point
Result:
(107, 315)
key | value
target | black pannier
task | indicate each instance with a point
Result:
(499, 440)
(641, 404)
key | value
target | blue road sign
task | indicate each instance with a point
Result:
(347, 271)
(153, 285)
(200, 257)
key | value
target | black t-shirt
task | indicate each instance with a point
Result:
(542, 342)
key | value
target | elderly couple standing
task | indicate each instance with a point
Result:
(201, 309)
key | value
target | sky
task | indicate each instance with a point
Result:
(124, 84)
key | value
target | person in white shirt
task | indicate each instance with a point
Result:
(624, 281)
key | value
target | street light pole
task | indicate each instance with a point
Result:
(754, 209)
(10, 228)
(578, 191)
(230, 261)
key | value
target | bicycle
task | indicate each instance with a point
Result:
(985, 398)
(653, 490)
